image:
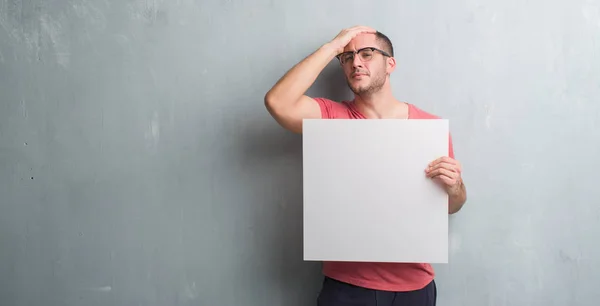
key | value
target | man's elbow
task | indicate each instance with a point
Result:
(282, 114)
(274, 105)
(269, 101)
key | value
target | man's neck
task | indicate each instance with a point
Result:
(381, 105)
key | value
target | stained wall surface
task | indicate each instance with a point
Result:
(138, 165)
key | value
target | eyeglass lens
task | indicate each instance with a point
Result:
(364, 55)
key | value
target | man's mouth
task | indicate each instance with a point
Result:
(358, 74)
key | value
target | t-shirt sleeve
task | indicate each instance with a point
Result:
(329, 108)
(450, 147)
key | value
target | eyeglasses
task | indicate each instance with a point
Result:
(365, 55)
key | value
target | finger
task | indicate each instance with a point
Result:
(445, 159)
(368, 30)
(358, 26)
(441, 171)
(362, 29)
(448, 178)
(444, 165)
(448, 181)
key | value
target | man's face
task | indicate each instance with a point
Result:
(366, 72)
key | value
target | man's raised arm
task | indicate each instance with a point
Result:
(286, 101)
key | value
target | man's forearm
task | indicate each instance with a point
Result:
(457, 199)
(292, 86)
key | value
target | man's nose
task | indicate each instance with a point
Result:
(356, 61)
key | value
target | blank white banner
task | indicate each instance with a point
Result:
(366, 196)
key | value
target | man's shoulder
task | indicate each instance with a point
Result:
(323, 100)
(334, 110)
(418, 113)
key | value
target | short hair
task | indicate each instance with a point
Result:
(387, 43)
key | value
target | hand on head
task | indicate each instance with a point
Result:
(346, 35)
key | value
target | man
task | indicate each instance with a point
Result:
(367, 59)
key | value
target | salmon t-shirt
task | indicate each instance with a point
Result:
(379, 276)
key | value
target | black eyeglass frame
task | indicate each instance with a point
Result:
(339, 56)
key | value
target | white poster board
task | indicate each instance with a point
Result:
(366, 196)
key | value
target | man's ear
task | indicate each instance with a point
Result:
(391, 64)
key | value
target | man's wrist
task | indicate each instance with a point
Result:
(456, 190)
(329, 49)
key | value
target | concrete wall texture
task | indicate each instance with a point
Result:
(138, 165)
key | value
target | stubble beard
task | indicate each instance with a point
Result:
(365, 90)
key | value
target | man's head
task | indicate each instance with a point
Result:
(367, 62)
